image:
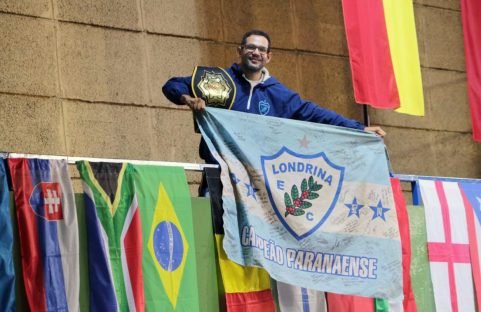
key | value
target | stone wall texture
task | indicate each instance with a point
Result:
(84, 78)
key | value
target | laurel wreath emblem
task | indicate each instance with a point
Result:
(296, 202)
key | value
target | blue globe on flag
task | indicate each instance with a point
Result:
(168, 245)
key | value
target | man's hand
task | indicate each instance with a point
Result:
(195, 104)
(376, 130)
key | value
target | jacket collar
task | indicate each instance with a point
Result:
(268, 79)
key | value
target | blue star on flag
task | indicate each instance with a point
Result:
(251, 191)
(354, 208)
(379, 211)
(234, 178)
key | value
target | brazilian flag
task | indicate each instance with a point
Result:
(168, 256)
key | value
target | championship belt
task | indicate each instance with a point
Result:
(214, 86)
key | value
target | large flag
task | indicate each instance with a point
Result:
(408, 304)
(310, 203)
(114, 237)
(344, 303)
(168, 252)
(472, 201)
(472, 47)
(7, 273)
(383, 53)
(245, 288)
(295, 298)
(207, 276)
(420, 273)
(448, 245)
(47, 226)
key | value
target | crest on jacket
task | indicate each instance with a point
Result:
(214, 86)
(264, 107)
(302, 189)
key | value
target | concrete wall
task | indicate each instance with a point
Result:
(83, 78)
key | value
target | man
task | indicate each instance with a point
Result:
(259, 93)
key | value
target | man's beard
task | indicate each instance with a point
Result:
(248, 65)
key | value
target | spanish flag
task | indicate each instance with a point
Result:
(383, 52)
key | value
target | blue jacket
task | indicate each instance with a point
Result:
(270, 98)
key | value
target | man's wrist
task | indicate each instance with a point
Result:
(183, 99)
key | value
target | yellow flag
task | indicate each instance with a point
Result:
(401, 30)
(237, 278)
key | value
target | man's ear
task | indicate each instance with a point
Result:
(239, 51)
(268, 57)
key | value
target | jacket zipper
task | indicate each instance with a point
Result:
(250, 97)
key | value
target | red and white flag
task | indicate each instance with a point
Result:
(472, 201)
(448, 246)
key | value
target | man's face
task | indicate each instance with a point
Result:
(254, 53)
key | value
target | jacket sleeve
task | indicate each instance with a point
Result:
(309, 111)
(175, 87)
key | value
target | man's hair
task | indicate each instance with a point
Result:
(256, 32)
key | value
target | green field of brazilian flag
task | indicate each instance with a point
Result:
(168, 256)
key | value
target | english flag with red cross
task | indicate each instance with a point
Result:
(448, 245)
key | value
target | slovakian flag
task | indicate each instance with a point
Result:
(245, 288)
(7, 273)
(168, 248)
(312, 204)
(448, 245)
(114, 236)
(383, 52)
(472, 47)
(47, 226)
(472, 200)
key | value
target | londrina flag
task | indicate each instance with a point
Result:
(114, 235)
(448, 245)
(310, 203)
(383, 52)
(168, 251)
(7, 273)
(245, 288)
(47, 226)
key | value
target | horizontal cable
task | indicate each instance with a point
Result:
(72, 160)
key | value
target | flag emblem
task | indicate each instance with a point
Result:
(303, 189)
(168, 246)
(46, 201)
